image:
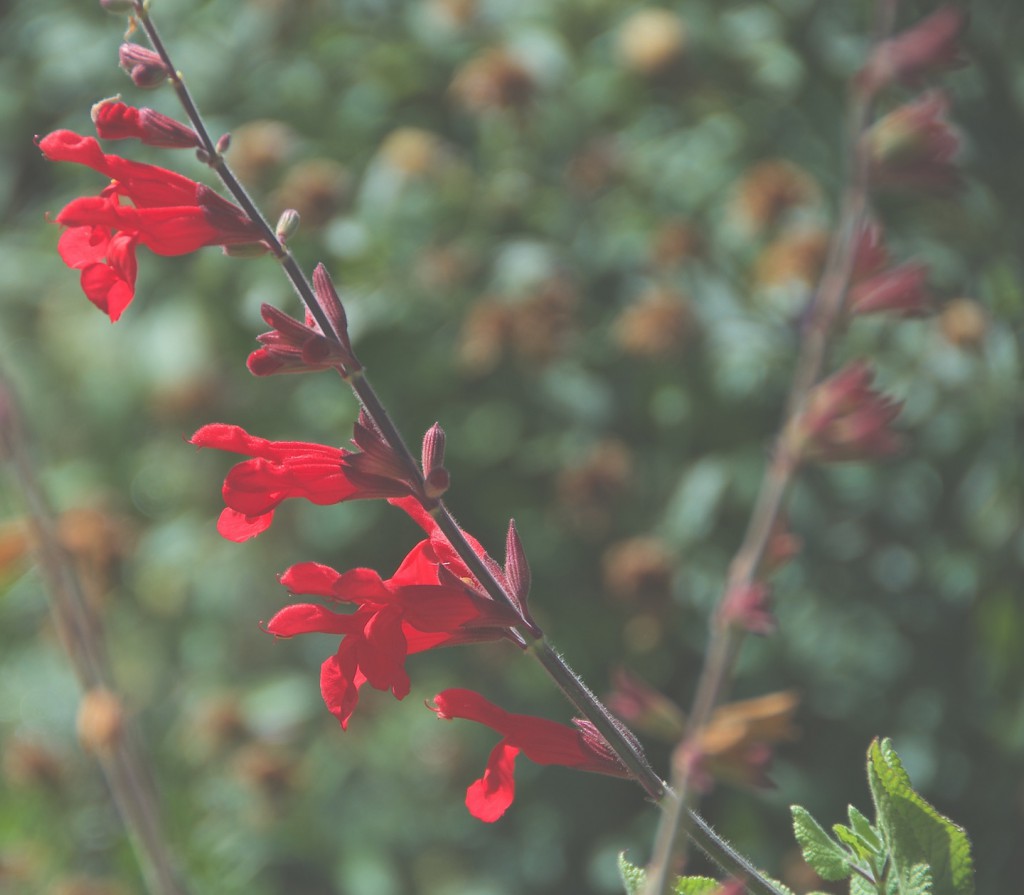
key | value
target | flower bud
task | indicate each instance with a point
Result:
(287, 225)
(144, 66)
(914, 146)
(748, 607)
(845, 419)
(900, 290)
(931, 45)
(436, 479)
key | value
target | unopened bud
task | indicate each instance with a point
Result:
(435, 475)
(914, 146)
(144, 66)
(224, 143)
(845, 419)
(748, 607)
(932, 45)
(287, 225)
(100, 721)
(900, 290)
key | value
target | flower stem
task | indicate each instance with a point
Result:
(553, 663)
(825, 311)
(124, 766)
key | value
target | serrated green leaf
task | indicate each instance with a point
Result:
(863, 828)
(915, 832)
(828, 859)
(917, 880)
(633, 877)
(696, 885)
(855, 843)
(860, 886)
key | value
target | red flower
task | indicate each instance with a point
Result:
(914, 147)
(172, 215)
(845, 419)
(277, 471)
(932, 45)
(116, 121)
(417, 609)
(540, 740)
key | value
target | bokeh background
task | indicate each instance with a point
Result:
(579, 235)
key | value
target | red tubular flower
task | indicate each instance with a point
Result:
(412, 611)
(914, 147)
(900, 290)
(277, 471)
(172, 215)
(876, 288)
(932, 45)
(540, 740)
(116, 121)
(845, 419)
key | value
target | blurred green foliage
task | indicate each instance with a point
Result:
(556, 235)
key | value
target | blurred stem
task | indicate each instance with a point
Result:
(124, 765)
(726, 639)
(529, 633)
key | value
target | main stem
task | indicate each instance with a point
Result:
(553, 663)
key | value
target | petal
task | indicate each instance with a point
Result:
(309, 618)
(489, 797)
(382, 653)
(239, 527)
(310, 578)
(104, 286)
(418, 567)
(437, 608)
(340, 680)
(80, 246)
(145, 185)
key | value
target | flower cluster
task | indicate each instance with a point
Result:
(432, 600)
(169, 214)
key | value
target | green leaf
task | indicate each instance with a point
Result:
(916, 880)
(860, 886)
(861, 849)
(863, 828)
(632, 876)
(828, 859)
(696, 885)
(915, 832)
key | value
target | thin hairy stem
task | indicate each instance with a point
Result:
(124, 764)
(826, 308)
